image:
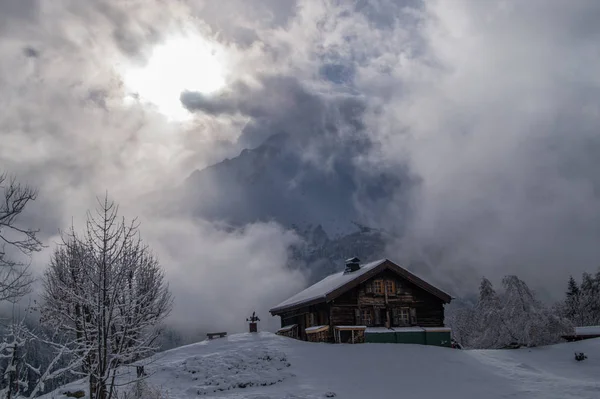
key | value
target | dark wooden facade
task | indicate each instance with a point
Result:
(385, 297)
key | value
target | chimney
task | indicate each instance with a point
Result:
(352, 265)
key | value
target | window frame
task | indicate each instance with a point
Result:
(392, 285)
(401, 317)
(369, 314)
(379, 283)
(312, 319)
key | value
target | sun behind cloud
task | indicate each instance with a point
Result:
(183, 63)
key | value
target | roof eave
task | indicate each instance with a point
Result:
(282, 309)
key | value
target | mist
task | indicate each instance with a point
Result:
(492, 107)
(499, 119)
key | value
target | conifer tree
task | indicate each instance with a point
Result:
(572, 306)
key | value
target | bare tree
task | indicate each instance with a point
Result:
(15, 369)
(15, 279)
(107, 291)
(22, 376)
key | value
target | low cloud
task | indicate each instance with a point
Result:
(497, 117)
(485, 112)
(221, 276)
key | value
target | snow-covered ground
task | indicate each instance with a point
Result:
(266, 366)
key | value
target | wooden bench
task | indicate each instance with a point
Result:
(217, 334)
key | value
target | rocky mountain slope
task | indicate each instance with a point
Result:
(322, 198)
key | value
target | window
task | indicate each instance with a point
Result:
(413, 316)
(312, 319)
(401, 316)
(378, 287)
(390, 287)
(365, 315)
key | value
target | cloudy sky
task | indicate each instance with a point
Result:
(492, 105)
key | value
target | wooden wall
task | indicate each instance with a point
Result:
(429, 308)
(343, 315)
(343, 310)
(302, 317)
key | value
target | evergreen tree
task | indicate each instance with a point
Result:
(572, 302)
(590, 299)
(572, 305)
(489, 326)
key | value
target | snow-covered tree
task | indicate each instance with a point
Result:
(15, 374)
(15, 279)
(521, 311)
(106, 290)
(489, 326)
(514, 316)
(528, 321)
(30, 361)
(590, 299)
(461, 319)
(572, 305)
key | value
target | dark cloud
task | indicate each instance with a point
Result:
(31, 52)
(337, 73)
(244, 22)
(14, 12)
(282, 104)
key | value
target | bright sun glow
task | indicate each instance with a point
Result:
(186, 63)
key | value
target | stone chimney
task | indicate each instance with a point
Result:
(352, 265)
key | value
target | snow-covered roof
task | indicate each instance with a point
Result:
(316, 328)
(378, 330)
(588, 330)
(326, 286)
(287, 328)
(350, 327)
(319, 292)
(409, 329)
(437, 329)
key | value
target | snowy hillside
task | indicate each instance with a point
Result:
(266, 366)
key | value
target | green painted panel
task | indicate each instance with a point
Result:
(410, 337)
(438, 338)
(387, 337)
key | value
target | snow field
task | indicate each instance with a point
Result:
(266, 366)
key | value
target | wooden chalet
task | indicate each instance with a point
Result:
(376, 302)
